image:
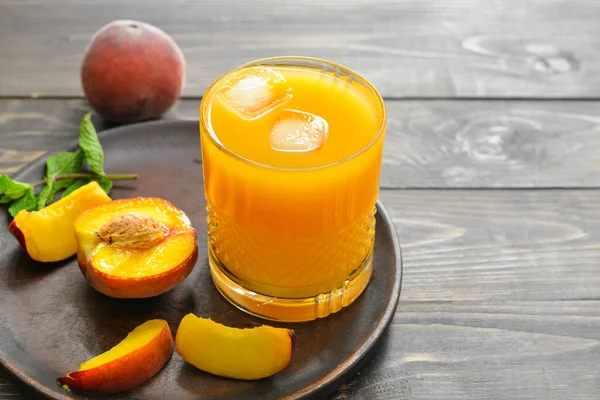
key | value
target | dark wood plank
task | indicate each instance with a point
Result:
(28, 130)
(429, 144)
(514, 350)
(7, 390)
(480, 245)
(475, 48)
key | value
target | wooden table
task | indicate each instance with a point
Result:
(491, 168)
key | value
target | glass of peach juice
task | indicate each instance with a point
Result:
(291, 153)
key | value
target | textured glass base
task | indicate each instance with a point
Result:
(286, 309)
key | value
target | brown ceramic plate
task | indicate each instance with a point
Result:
(51, 319)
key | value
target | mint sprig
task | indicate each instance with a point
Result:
(90, 145)
(65, 171)
(67, 162)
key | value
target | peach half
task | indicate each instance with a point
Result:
(134, 360)
(135, 248)
(47, 235)
(231, 352)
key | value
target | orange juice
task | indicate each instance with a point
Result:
(291, 177)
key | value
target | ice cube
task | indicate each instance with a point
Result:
(298, 131)
(255, 91)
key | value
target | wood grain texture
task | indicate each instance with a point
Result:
(502, 245)
(473, 48)
(7, 390)
(429, 143)
(481, 350)
(500, 298)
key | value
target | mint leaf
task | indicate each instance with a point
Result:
(105, 184)
(45, 194)
(13, 189)
(59, 164)
(5, 199)
(63, 184)
(74, 186)
(89, 143)
(25, 202)
(64, 163)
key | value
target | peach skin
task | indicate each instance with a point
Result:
(134, 360)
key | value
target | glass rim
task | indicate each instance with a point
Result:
(271, 61)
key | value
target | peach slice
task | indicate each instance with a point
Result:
(47, 235)
(134, 360)
(135, 248)
(234, 353)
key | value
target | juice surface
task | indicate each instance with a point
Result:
(349, 112)
(293, 224)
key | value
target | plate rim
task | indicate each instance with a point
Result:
(26, 383)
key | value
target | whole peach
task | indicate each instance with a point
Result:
(132, 71)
